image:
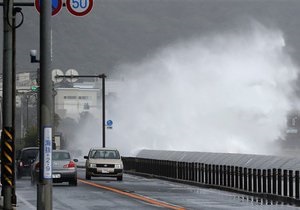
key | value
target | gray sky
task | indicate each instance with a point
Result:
(124, 31)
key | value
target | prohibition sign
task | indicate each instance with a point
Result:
(56, 6)
(79, 7)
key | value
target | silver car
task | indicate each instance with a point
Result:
(103, 162)
(64, 169)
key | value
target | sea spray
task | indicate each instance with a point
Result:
(229, 92)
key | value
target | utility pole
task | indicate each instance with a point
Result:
(44, 189)
(7, 143)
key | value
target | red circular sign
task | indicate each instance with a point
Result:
(56, 6)
(79, 7)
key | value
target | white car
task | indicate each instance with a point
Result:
(103, 162)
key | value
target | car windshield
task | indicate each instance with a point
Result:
(60, 156)
(105, 154)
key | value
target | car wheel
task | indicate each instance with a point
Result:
(120, 178)
(73, 182)
(87, 176)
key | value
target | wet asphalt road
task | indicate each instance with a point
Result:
(138, 193)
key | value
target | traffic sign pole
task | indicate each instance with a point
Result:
(7, 143)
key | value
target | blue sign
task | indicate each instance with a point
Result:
(56, 6)
(109, 123)
(47, 174)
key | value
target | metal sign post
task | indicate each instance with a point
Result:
(44, 191)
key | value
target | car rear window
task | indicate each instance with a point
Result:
(29, 154)
(60, 156)
(105, 154)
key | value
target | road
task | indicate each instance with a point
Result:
(138, 193)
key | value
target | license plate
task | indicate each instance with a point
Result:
(105, 171)
(55, 176)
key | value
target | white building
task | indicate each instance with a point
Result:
(70, 102)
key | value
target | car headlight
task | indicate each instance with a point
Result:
(92, 165)
(118, 166)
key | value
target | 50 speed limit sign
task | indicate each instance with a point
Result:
(79, 7)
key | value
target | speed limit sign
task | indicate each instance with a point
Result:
(79, 7)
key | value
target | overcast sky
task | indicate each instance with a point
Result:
(122, 31)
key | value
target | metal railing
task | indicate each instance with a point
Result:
(275, 184)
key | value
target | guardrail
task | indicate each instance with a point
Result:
(275, 184)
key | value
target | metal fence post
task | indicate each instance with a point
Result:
(202, 172)
(245, 179)
(206, 173)
(254, 180)
(264, 180)
(225, 175)
(291, 184)
(217, 175)
(221, 175)
(209, 174)
(274, 181)
(214, 174)
(259, 187)
(228, 176)
(279, 181)
(269, 181)
(232, 174)
(236, 174)
(241, 178)
(250, 180)
(285, 182)
(297, 185)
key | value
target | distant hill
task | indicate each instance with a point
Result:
(118, 31)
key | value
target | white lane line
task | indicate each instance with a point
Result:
(27, 204)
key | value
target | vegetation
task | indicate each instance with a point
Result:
(31, 137)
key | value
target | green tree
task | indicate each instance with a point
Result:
(31, 137)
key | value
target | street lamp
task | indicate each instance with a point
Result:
(33, 58)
